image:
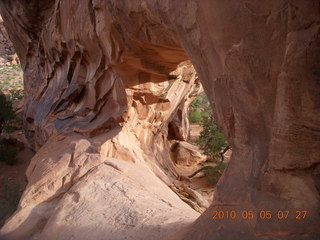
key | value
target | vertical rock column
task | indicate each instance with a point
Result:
(258, 62)
(98, 103)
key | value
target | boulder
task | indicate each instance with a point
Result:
(187, 154)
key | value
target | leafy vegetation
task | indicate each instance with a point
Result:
(11, 89)
(11, 77)
(8, 119)
(201, 102)
(195, 116)
(213, 174)
(16, 94)
(211, 140)
(9, 122)
(6, 112)
(199, 108)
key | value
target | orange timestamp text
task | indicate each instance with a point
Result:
(264, 214)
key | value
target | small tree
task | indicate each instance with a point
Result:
(6, 116)
(213, 144)
(6, 112)
(211, 140)
(198, 108)
(9, 121)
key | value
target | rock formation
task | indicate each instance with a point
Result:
(101, 89)
(184, 153)
(7, 53)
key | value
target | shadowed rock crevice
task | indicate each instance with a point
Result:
(111, 75)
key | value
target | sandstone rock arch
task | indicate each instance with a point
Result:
(85, 66)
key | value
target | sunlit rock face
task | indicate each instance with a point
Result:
(102, 86)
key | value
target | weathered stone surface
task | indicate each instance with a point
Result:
(184, 153)
(179, 126)
(74, 192)
(7, 53)
(94, 68)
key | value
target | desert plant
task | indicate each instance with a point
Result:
(213, 174)
(200, 102)
(199, 108)
(16, 67)
(16, 94)
(211, 140)
(8, 119)
(195, 116)
(6, 112)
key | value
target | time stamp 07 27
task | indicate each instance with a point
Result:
(264, 214)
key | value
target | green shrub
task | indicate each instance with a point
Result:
(199, 108)
(6, 111)
(8, 119)
(16, 94)
(195, 116)
(200, 103)
(213, 174)
(211, 140)
(16, 67)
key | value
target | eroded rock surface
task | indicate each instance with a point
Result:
(97, 73)
(7, 53)
(186, 154)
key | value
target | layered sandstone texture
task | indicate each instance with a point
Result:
(106, 82)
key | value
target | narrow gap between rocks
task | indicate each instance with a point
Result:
(15, 154)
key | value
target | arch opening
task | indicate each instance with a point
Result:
(99, 82)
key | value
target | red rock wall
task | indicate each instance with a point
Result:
(258, 62)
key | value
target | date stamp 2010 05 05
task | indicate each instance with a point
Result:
(264, 214)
